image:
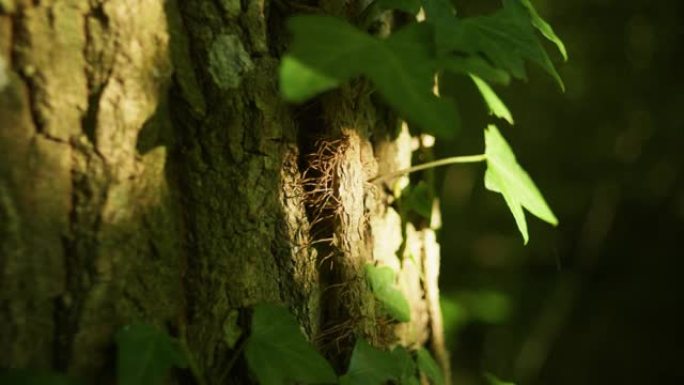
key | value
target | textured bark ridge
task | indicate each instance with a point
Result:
(150, 172)
(366, 228)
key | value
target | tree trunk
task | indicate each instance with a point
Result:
(149, 171)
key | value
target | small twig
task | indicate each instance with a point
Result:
(424, 166)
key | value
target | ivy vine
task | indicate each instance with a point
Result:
(328, 51)
(325, 53)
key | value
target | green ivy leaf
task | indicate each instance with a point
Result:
(476, 66)
(506, 38)
(327, 47)
(427, 365)
(407, 375)
(494, 103)
(33, 377)
(439, 11)
(371, 366)
(436, 9)
(405, 77)
(327, 51)
(145, 354)
(382, 280)
(493, 380)
(299, 82)
(545, 28)
(278, 353)
(504, 175)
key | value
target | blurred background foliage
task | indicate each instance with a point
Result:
(596, 300)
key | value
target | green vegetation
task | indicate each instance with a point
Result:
(383, 280)
(145, 354)
(327, 51)
(278, 353)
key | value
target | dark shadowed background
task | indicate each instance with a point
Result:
(596, 300)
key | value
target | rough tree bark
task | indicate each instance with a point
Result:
(149, 171)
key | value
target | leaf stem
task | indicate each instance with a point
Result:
(424, 166)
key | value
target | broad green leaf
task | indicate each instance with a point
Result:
(476, 66)
(545, 28)
(405, 77)
(145, 354)
(404, 360)
(34, 377)
(495, 105)
(493, 380)
(299, 82)
(371, 366)
(329, 47)
(427, 365)
(439, 11)
(383, 283)
(408, 6)
(506, 37)
(441, 16)
(326, 50)
(278, 353)
(504, 175)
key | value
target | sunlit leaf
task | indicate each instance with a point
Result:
(326, 50)
(326, 46)
(504, 175)
(495, 105)
(278, 353)
(299, 82)
(371, 366)
(34, 377)
(145, 354)
(427, 365)
(545, 28)
(382, 280)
